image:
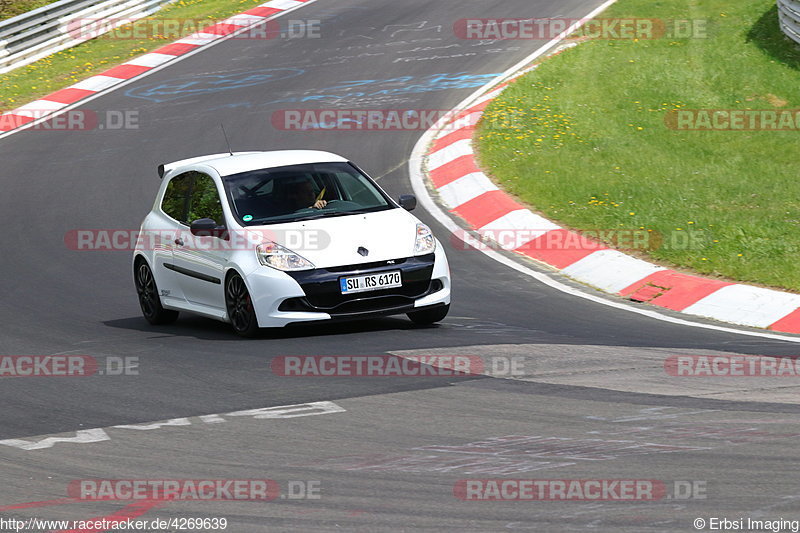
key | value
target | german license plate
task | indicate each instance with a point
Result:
(370, 282)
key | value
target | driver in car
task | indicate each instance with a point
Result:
(301, 196)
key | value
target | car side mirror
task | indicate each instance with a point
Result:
(207, 227)
(408, 202)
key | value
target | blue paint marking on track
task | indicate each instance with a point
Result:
(365, 88)
(193, 85)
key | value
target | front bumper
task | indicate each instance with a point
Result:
(315, 295)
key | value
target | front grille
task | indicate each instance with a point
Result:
(323, 293)
(361, 305)
(329, 296)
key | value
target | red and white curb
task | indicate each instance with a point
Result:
(47, 106)
(467, 192)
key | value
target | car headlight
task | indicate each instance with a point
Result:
(276, 256)
(426, 242)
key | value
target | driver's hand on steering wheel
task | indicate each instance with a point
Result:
(319, 204)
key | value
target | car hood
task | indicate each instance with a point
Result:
(335, 241)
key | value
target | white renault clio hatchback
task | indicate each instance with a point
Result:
(266, 239)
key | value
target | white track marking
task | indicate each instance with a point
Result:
(157, 425)
(291, 411)
(83, 436)
(87, 436)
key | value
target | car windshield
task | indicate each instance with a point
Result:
(302, 192)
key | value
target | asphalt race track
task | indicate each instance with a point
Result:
(592, 402)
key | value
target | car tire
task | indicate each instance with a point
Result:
(241, 312)
(429, 316)
(149, 299)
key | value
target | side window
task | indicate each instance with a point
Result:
(205, 200)
(176, 197)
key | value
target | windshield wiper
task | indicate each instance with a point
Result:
(321, 214)
(315, 216)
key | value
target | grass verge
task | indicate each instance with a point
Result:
(69, 66)
(12, 8)
(584, 140)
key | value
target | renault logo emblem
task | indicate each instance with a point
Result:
(363, 251)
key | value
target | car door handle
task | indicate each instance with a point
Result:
(179, 241)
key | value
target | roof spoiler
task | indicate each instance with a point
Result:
(164, 169)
